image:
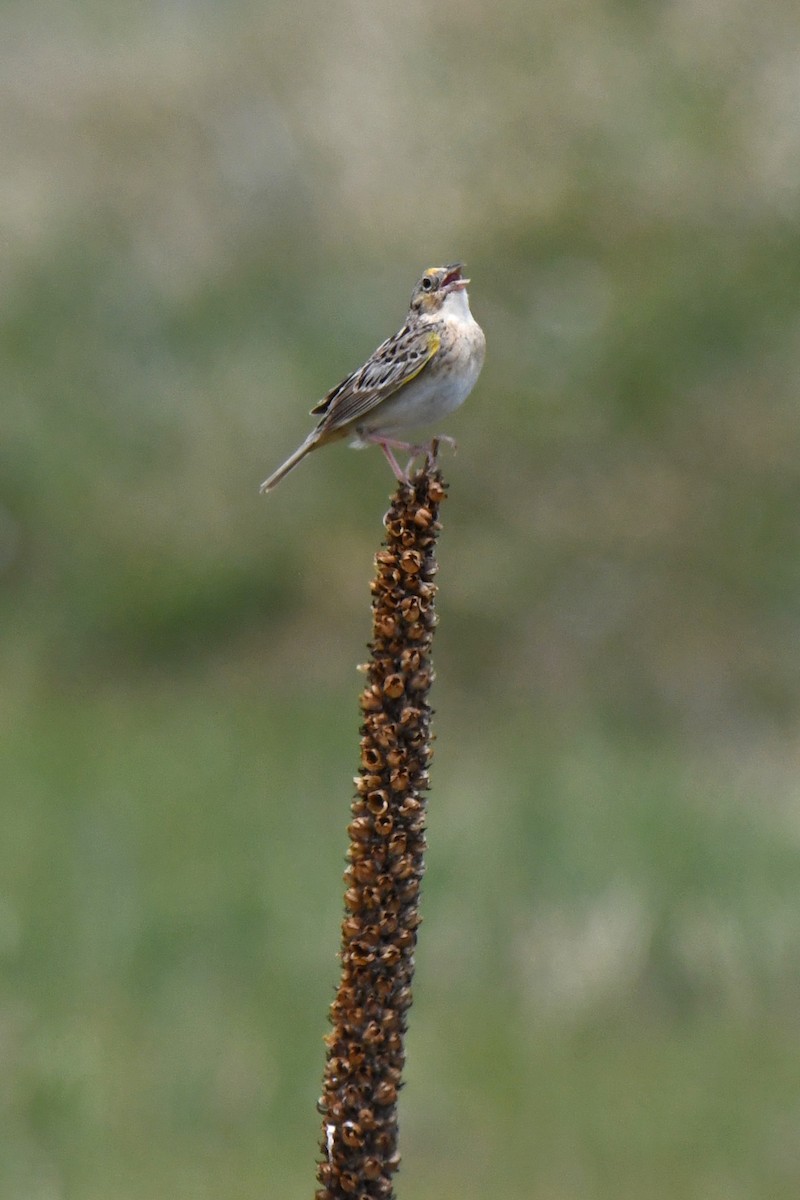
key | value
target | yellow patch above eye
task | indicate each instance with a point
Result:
(432, 270)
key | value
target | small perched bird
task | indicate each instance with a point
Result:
(422, 373)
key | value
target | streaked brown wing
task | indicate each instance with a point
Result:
(394, 363)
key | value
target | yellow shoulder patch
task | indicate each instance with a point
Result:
(434, 342)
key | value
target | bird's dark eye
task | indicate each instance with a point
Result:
(427, 283)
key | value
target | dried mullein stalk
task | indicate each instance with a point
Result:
(387, 842)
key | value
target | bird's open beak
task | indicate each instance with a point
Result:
(453, 280)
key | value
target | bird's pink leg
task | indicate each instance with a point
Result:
(392, 461)
(387, 445)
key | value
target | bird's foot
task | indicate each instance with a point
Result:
(387, 445)
(430, 450)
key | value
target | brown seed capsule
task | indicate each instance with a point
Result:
(386, 626)
(378, 801)
(394, 1043)
(358, 829)
(360, 957)
(371, 758)
(385, 736)
(384, 824)
(408, 889)
(410, 661)
(372, 1168)
(385, 1093)
(394, 686)
(370, 699)
(351, 927)
(411, 561)
(352, 1134)
(370, 896)
(383, 988)
(403, 999)
(364, 871)
(403, 868)
(373, 1034)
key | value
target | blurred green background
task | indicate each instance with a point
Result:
(209, 215)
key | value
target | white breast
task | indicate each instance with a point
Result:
(441, 388)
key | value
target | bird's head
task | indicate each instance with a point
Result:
(436, 285)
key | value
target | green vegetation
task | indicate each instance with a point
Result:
(211, 215)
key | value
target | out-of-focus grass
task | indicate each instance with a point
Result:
(211, 215)
(605, 981)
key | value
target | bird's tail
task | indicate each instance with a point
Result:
(308, 445)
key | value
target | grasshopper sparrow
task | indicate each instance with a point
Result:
(422, 373)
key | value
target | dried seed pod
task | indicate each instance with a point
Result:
(363, 871)
(365, 1049)
(386, 625)
(397, 845)
(394, 686)
(371, 758)
(370, 699)
(411, 561)
(358, 829)
(411, 661)
(352, 1134)
(385, 1093)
